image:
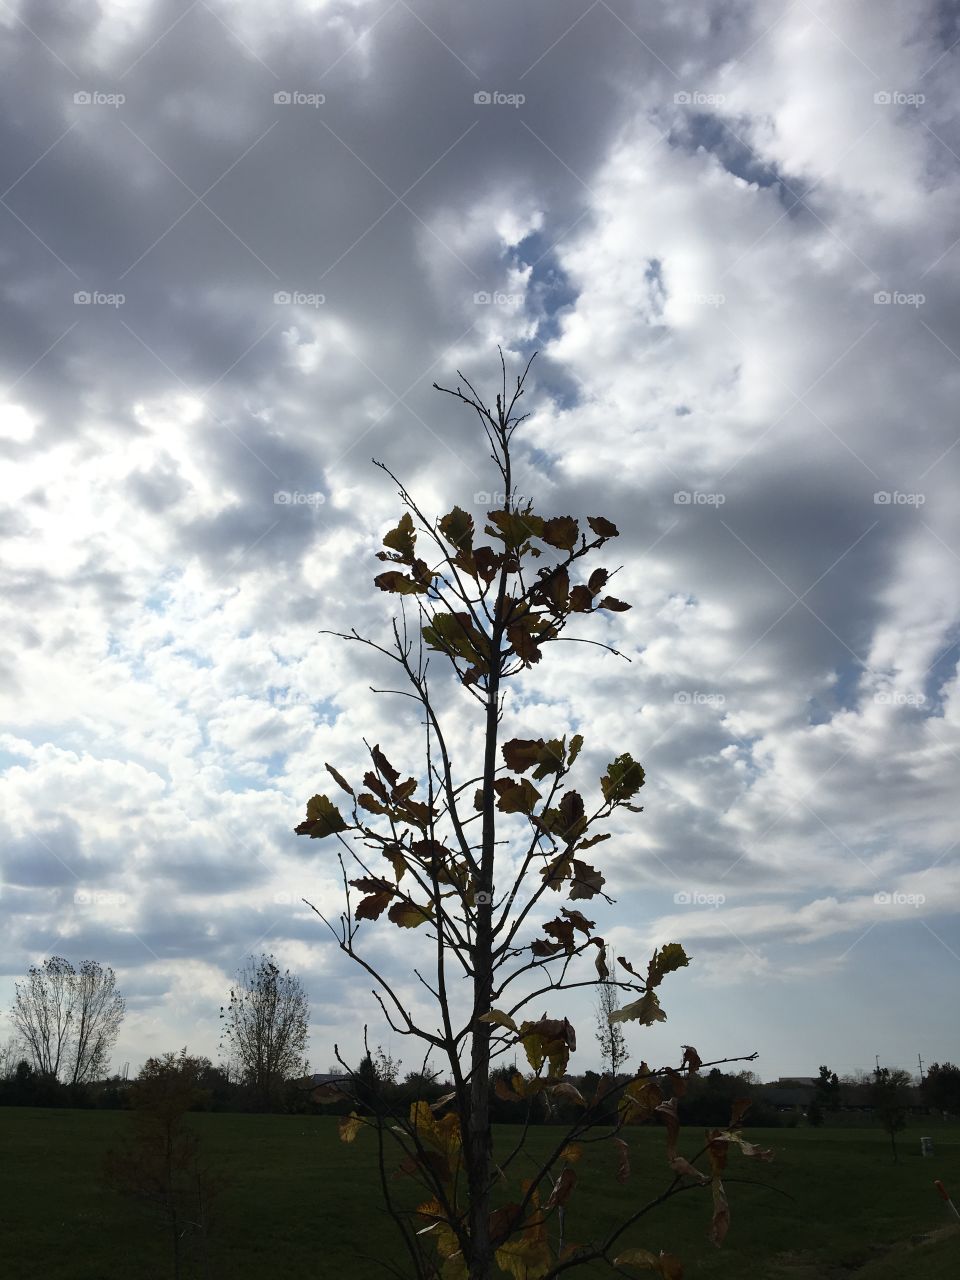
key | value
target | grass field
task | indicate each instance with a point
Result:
(299, 1204)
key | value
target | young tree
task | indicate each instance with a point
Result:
(613, 1047)
(827, 1089)
(265, 1026)
(68, 1019)
(472, 854)
(161, 1165)
(891, 1101)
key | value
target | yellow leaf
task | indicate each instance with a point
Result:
(350, 1126)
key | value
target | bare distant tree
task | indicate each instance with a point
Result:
(265, 1024)
(68, 1020)
(613, 1047)
(97, 1012)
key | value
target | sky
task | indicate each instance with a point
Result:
(239, 244)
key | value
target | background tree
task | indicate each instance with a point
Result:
(941, 1088)
(891, 1101)
(68, 1019)
(471, 853)
(613, 1046)
(827, 1089)
(265, 1026)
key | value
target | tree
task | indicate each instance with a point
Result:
(827, 1089)
(941, 1089)
(68, 1019)
(265, 1026)
(161, 1165)
(471, 854)
(613, 1047)
(891, 1101)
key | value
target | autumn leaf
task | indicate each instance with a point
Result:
(516, 797)
(521, 754)
(562, 1189)
(691, 1059)
(398, 583)
(384, 767)
(339, 779)
(646, 1010)
(623, 1160)
(350, 1126)
(403, 538)
(570, 1093)
(408, 915)
(499, 1019)
(587, 881)
(323, 819)
(576, 743)
(623, 779)
(613, 604)
(602, 527)
(671, 956)
(720, 1222)
(561, 532)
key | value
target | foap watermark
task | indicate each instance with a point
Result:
(698, 498)
(294, 498)
(98, 898)
(298, 98)
(495, 98)
(484, 298)
(898, 899)
(94, 298)
(896, 298)
(895, 498)
(491, 498)
(898, 98)
(694, 698)
(899, 698)
(97, 98)
(709, 299)
(697, 98)
(698, 898)
(295, 298)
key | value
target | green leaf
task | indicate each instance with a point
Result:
(457, 527)
(515, 528)
(323, 819)
(624, 778)
(576, 742)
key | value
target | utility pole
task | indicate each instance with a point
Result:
(920, 1064)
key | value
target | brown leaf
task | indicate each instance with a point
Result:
(602, 527)
(562, 1188)
(613, 604)
(561, 532)
(587, 881)
(691, 1059)
(339, 779)
(384, 767)
(720, 1222)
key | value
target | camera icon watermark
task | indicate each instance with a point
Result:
(694, 698)
(98, 898)
(898, 899)
(895, 498)
(94, 298)
(294, 498)
(698, 498)
(282, 898)
(297, 98)
(696, 98)
(896, 298)
(494, 98)
(295, 298)
(96, 98)
(897, 98)
(497, 298)
(899, 698)
(698, 898)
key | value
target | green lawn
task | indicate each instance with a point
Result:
(300, 1204)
